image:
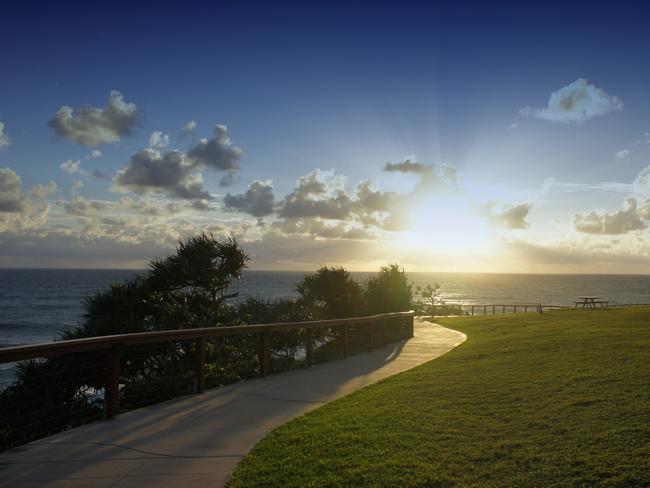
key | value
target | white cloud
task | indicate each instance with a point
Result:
(91, 126)
(77, 185)
(575, 103)
(94, 154)
(4, 138)
(641, 183)
(158, 140)
(622, 154)
(71, 166)
(188, 128)
(44, 191)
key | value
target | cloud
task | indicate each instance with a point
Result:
(44, 191)
(94, 154)
(188, 129)
(77, 185)
(625, 220)
(641, 183)
(170, 173)
(70, 166)
(81, 207)
(258, 200)
(216, 152)
(90, 126)
(622, 154)
(407, 166)
(575, 103)
(5, 141)
(318, 194)
(11, 199)
(508, 216)
(158, 140)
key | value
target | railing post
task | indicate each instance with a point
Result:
(199, 369)
(503, 309)
(345, 341)
(411, 332)
(484, 309)
(384, 333)
(370, 334)
(493, 309)
(112, 390)
(263, 354)
(472, 310)
(310, 345)
(515, 309)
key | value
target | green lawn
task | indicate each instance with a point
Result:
(560, 399)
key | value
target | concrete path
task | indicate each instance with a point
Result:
(198, 440)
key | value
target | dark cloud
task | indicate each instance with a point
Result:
(171, 173)
(508, 216)
(5, 141)
(625, 220)
(407, 166)
(216, 152)
(11, 199)
(81, 207)
(258, 200)
(91, 126)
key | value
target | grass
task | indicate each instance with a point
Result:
(560, 399)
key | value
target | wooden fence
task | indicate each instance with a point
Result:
(376, 326)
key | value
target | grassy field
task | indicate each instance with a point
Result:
(560, 399)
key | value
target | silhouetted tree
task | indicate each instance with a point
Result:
(331, 293)
(389, 291)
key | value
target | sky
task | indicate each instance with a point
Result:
(450, 137)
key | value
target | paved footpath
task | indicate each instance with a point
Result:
(197, 440)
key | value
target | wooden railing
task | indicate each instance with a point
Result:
(377, 333)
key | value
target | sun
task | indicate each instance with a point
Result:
(447, 223)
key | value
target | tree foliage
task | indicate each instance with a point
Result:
(331, 293)
(389, 291)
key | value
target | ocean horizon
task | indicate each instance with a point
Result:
(36, 304)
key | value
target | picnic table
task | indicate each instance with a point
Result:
(591, 302)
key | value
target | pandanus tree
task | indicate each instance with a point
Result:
(187, 289)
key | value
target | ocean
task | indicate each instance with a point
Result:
(37, 304)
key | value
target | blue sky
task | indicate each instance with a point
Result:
(336, 87)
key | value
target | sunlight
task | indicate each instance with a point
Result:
(447, 223)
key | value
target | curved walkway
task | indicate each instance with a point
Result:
(198, 440)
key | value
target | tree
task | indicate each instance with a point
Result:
(389, 291)
(185, 290)
(428, 295)
(331, 293)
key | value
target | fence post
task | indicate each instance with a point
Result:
(384, 334)
(411, 332)
(310, 345)
(112, 391)
(370, 334)
(503, 309)
(345, 341)
(472, 309)
(199, 369)
(493, 310)
(515, 309)
(263, 354)
(484, 309)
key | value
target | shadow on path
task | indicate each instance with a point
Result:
(198, 439)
